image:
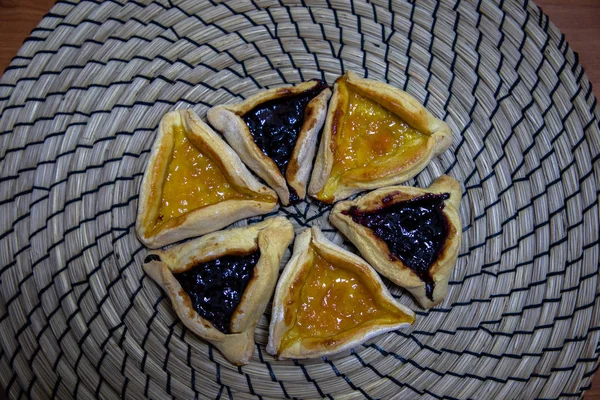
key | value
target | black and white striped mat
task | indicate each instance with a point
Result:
(79, 108)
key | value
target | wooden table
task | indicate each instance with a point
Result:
(577, 19)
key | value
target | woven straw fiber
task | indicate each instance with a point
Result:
(80, 105)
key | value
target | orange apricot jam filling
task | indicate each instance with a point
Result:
(333, 302)
(193, 181)
(369, 140)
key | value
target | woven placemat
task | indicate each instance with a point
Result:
(80, 105)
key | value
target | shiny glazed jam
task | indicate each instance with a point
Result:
(333, 300)
(369, 141)
(193, 181)
(216, 287)
(276, 124)
(414, 231)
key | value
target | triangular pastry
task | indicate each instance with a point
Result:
(375, 135)
(221, 283)
(275, 133)
(410, 235)
(194, 184)
(328, 300)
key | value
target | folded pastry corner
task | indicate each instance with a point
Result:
(328, 300)
(221, 283)
(410, 235)
(275, 132)
(194, 184)
(375, 135)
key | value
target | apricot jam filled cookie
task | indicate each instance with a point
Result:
(328, 300)
(375, 135)
(275, 133)
(410, 235)
(194, 184)
(220, 284)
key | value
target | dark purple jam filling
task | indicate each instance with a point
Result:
(414, 231)
(276, 124)
(216, 287)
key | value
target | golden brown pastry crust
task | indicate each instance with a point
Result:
(399, 103)
(293, 270)
(376, 252)
(227, 120)
(271, 236)
(205, 219)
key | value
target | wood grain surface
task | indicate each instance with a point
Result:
(579, 20)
